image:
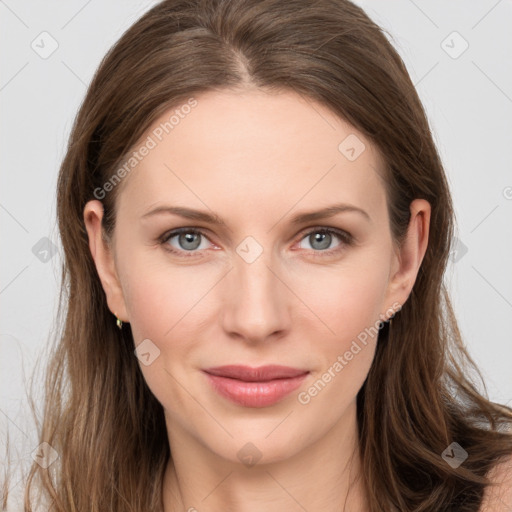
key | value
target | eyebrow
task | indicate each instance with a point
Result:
(301, 218)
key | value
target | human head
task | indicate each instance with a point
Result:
(241, 156)
(348, 67)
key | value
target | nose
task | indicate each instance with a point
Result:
(256, 304)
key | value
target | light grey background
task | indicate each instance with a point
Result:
(468, 98)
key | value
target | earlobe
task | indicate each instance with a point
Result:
(103, 257)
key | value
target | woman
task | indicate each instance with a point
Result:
(228, 157)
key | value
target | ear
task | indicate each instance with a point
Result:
(409, 257)
(103, 256)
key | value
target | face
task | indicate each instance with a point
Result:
(263, 287)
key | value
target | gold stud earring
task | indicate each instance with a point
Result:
(119, 322)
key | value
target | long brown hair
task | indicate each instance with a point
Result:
(99, 414)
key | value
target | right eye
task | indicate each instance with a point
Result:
(187, 239)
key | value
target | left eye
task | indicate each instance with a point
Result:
(189, 240)
(323, 237)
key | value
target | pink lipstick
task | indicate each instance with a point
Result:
(255, 387)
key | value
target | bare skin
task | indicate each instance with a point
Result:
(256, 160)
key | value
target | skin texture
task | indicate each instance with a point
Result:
(256, 160)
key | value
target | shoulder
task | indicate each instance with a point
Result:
(498, 498)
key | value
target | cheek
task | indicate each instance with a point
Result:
(351, 310)
(159, 294)
(165, 305)
(348, 299)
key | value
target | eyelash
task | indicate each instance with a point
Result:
(346, 239)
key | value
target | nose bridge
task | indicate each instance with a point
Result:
(255, 306)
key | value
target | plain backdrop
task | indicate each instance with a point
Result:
(459, 56)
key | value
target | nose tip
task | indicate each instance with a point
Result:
(255, 303)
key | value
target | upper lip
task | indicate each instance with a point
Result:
(261, 373)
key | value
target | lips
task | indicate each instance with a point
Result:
(255, 387)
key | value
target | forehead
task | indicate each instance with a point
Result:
(252, 147)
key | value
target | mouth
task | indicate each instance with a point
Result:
(255, 387)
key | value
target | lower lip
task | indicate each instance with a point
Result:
(255, 394)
